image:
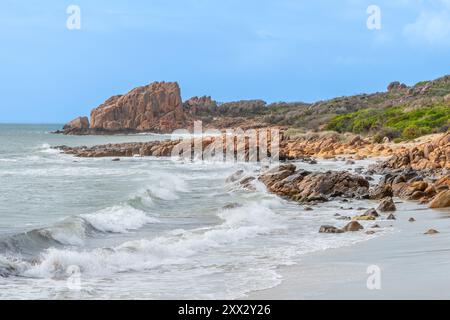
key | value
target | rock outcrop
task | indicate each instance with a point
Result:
(198, 106)
(429, 155)
(387, 205)
(156, 107)
(395, 86)
(305, 186)
(442, 200)
(153, 148)
(331, 144)
(78, 125)
(425, 186)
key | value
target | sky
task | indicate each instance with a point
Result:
(279, 50)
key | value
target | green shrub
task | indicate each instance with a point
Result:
(386, 133)
(412, 132)
(396, 120)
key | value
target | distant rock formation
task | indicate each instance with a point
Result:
(156, 107)
(394, 86)
(200, 105)
(77, 126)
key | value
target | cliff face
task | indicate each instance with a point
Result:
(156, 107)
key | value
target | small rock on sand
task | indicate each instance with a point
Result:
(230, 206)
(431, 232)
(391, 217)
(353, 226)
(330, 229)
(387, 205)
(364, 218)
(371, 213)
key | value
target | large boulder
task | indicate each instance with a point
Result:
(381, 191)
(441, 200)
(156, 107)
(387, 205)
(80, 124)
(353, 227)
(304, 186)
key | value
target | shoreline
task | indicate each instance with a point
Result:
(351, 177)
(413, 265)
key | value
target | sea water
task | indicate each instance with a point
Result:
(144, 228)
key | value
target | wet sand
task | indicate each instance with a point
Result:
(413, 265)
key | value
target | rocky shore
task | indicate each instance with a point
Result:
(417, 171)
(326, 145)
(133, 149)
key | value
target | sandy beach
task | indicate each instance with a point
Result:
(413, 265)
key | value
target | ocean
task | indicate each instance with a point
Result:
(144, 228)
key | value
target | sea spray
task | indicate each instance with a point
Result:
(118, 219)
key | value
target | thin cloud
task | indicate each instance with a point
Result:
(432, 26)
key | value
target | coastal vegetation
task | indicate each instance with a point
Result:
(400, 113)
(394, 122)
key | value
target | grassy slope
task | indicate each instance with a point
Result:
(394, 122)
(399, 113)
(403, 113)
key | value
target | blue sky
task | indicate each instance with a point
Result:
(283, 50)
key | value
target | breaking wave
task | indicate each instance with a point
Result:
(118, 219)
(175, 247)
(74, 231)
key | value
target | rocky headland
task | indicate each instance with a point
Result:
(156, 107)
(401, 112)
(405, 128)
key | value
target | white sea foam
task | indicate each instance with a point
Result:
(9, 265)
(118, 219)
(47, 148)
(71, 231)
(167, 187)
(238, 224)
